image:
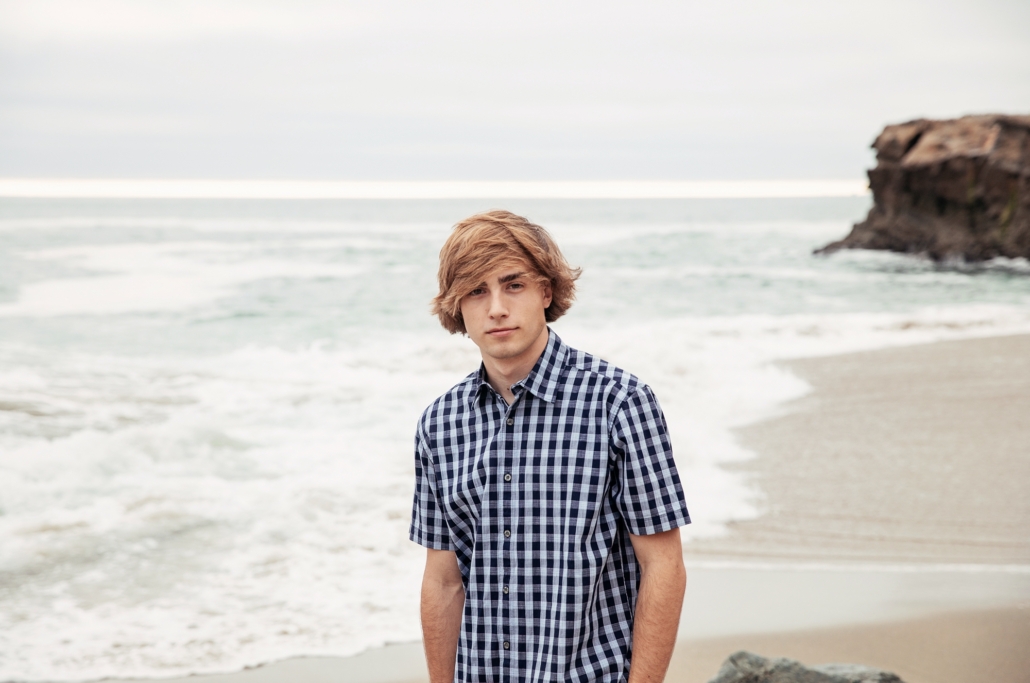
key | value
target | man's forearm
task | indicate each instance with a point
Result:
(442, 605)
(656, 620)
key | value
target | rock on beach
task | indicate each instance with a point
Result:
(747, 667)
(949, 189)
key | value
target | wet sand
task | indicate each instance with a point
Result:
(915, 454)
(895, 534)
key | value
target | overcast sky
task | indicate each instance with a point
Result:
(490, 90)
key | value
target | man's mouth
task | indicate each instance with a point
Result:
(501, 331)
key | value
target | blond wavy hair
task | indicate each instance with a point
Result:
(482, 243)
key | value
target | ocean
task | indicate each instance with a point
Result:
(207, 405)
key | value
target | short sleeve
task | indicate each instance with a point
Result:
(428, 527)
(650, 495)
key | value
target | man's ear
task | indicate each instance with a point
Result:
(546, 289)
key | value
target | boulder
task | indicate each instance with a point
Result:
(954, 189)
(747, 667)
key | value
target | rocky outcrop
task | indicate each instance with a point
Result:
(955, 189)
(747, 667)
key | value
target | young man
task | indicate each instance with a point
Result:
(545, 492)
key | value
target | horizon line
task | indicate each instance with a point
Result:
(124, 188)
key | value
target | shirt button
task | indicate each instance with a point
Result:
(507, 476)
(507, 645)
(507, 533)
(511, 421)
(505, 590)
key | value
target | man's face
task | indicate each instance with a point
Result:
(504, 315)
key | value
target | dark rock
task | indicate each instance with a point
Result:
(949, 189)
(747, 667)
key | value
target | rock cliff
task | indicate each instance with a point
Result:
(954, 189)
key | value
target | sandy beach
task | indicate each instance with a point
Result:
(895, 532)
(954, 647)
(914, 454)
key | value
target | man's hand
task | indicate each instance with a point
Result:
(443, 599)
(657, 616)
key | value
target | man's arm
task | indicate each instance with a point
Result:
(657, 616)
(443, 599)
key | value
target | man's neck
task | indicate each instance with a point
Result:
(502, 373)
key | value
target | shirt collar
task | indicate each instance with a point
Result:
(545, 377)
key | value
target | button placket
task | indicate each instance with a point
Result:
(506, 520)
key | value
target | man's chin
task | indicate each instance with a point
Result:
(503, 350)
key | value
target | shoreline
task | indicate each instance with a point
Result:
(905, 425)
(816, 614)
(946, 647)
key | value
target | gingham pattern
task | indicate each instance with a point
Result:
(550, 576)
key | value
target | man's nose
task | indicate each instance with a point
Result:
(498, 308)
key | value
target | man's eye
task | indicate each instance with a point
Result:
(516, 285)
(476, 292)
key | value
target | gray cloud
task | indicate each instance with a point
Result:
(489, 90)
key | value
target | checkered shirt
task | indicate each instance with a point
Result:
(537, 500)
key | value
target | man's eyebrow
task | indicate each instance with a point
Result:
(508, 278)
